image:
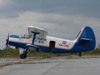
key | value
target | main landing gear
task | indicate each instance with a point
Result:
(26, 51)
(24, 54)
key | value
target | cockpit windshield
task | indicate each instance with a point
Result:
(27, 36)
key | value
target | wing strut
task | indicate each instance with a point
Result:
(34, 37)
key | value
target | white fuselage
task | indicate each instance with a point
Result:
(59, 43)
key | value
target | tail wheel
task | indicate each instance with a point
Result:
(23, 56)
(80, 54)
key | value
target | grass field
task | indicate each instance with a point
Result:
(9, 53)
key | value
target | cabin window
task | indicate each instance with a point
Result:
(39, 41)
(42, 41)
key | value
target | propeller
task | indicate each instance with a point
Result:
(7, 41)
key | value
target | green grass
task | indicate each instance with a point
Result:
(9, 53)
(93, 52)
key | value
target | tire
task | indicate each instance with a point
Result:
(23, 56)
(80, 54)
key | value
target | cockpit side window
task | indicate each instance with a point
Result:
(26, 36)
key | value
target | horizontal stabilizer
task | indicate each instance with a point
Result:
(85, 40)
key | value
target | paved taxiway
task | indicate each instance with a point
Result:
(54, 66)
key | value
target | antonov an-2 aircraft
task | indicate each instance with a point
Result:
(37, 38)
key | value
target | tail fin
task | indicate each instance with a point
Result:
(87, 38)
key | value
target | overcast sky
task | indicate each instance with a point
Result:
(61, 18)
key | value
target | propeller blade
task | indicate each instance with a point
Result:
(7, 41)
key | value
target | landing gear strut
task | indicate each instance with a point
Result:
(24, 54)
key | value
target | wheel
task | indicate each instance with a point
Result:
(23, 56)
(80, 54)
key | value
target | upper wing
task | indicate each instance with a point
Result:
(42, 32)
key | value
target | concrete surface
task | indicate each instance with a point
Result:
(73, 66)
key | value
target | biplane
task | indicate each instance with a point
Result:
(38, 39)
